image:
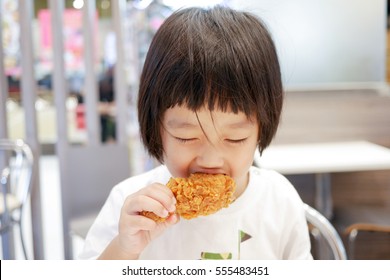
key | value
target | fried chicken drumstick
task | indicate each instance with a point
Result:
(199, 195)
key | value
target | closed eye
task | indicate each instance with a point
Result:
(185, 140)
(236, 141)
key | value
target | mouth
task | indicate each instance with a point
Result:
(211, 172)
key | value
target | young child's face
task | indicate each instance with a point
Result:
(209, 142)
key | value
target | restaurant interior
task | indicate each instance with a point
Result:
(69, 75)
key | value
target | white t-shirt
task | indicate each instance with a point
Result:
(266, 222)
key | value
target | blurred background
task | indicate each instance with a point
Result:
(69, 75)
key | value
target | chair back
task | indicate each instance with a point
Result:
(325, 229)
(16, 171)
(367, 241)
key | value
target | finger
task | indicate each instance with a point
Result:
(134, 224)
(160, 227)
(162, 194)
(173, 219)
(159, 186)
(158, 189)
(136, 204)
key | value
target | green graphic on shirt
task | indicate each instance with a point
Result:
(215, 256)
(242, 236)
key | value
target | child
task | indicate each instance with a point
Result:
(210, 94)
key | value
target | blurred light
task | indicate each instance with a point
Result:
(105, 4)
(71, 103)
(142, 4)
(175, 4)
(12, 105)
(78, 4)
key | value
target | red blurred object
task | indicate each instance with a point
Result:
(80, 116)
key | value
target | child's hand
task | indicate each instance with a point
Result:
(136, 230)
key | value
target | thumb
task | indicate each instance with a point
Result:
(161, 227)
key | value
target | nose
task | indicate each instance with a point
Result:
(210, 157)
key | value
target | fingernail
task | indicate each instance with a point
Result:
(172, 208)
(165, 213)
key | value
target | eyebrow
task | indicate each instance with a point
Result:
(180, 124)
(241, 124)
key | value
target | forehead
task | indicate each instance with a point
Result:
(181, 117)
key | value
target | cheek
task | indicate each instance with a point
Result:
(177, 160)
(241, 160)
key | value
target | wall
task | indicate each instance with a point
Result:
(310, 117)
(335, 116)
(326, 42)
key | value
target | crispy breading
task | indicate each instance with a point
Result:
(199, 195)
(153, 216)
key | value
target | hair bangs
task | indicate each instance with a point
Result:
(218, 87)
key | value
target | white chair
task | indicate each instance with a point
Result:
(16, 166)
(321, 227)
